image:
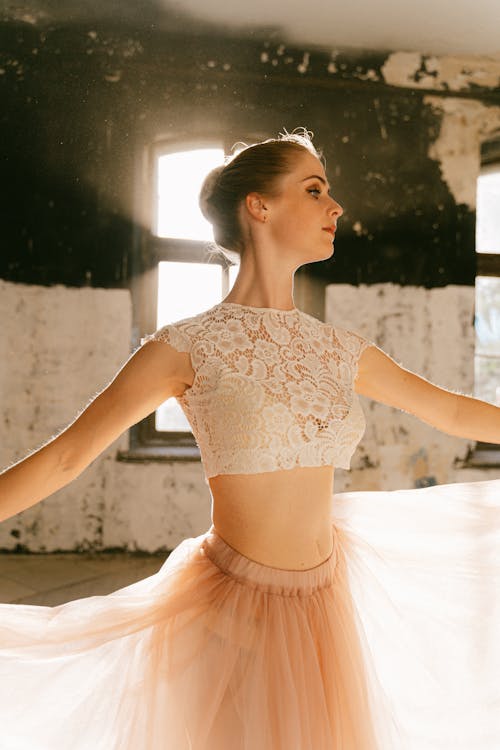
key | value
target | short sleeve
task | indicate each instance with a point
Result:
(354, 345)
(358, 343)
(170, 334)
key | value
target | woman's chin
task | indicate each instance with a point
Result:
(331, 251)
(317, 254)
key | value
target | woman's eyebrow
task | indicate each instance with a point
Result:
(317, 177)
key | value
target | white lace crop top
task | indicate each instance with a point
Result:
(273, 389)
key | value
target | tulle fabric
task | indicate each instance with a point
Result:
(424, 571)
(389, 644)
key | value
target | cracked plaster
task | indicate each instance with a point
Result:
(465, 123)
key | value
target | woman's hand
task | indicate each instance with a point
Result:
(154, 373)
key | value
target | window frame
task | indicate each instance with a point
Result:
(486, 455)
(145, 441)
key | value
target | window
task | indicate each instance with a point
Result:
(206, 285)
(487, 316)
(175, 274)
(487, 303)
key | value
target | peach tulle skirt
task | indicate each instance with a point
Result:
(392, 643)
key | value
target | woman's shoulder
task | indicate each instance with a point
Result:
(182, 333)
(350, 340)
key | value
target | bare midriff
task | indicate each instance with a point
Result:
(278, 518)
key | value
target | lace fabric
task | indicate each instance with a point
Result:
(273, 389)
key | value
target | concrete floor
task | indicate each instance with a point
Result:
(52, 579)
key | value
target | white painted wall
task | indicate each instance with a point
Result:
(431, 333)
(58, 348)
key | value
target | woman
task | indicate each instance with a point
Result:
(283, 626)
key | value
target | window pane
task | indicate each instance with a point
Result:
(233, 272)
(487, 325)
(488, 210)
(180, 176)
(184, 289)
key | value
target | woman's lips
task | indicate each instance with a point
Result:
(330, 230)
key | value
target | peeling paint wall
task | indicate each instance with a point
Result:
(393, 150)
(464, 125)
(69, 343)
(443, 73)
(401, 135)
(59, 349)
(429, 332)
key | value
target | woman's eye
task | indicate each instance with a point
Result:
(314, 190)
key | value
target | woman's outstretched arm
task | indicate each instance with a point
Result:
(152, 374)
(382, 379)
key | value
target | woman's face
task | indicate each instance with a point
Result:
(303, 212)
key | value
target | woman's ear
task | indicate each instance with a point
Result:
(255, 205)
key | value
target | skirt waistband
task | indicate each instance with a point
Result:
(273, 580)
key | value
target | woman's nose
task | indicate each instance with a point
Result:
(336, 208)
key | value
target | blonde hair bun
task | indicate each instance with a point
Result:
(207, 190)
